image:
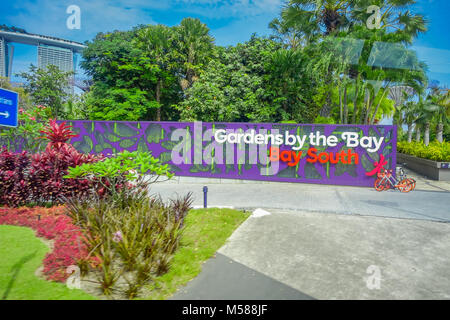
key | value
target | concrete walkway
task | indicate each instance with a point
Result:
(223, 278)
(304, 255)
(325, 242)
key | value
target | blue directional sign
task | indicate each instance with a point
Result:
(8, 108)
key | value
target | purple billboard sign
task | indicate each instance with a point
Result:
(309, 153)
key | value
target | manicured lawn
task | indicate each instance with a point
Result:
(206, 230)
(21, 253)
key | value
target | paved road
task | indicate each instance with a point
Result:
(305, 255)
(317, 242)
(418, 204)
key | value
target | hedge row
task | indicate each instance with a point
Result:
(434, 151)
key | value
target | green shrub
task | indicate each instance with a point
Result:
(133, 235)
(134, 244)
(324, 120)
(289, 122)
(434, 151)
(122, 176)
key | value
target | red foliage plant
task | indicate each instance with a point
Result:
(58, 134)
(39, 178)
(13, 179)
(50, 223)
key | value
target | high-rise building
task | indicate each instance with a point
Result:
(50, 50)
(60, 57)
(4, 59)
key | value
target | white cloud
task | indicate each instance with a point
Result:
(49, 16)
(238, 19)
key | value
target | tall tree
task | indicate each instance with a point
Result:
(395, 16)
(395, 24)
(292, 36)
(439, 106)
(255, 81)
(157, 43)
(286, 80)
(317, 17)
(411, 111)
(196, 48)
(123, 87)
(424, 118)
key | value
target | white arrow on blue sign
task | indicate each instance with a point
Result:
(8, 108)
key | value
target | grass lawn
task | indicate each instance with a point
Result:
(206, 230)
(21, 253)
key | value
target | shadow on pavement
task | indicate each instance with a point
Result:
(222, 278)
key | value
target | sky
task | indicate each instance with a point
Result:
(230, 22)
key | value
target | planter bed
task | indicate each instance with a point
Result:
(432, 169)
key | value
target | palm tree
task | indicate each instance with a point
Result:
(439, 106)
(195, 48)
(411, 114)
(324, 17)
(418, 126)
(293, 36)
(384, 91)
(286, 64)
(400, 94)
(156, 40)
(424, 119)
(394, 15)
(317, 17)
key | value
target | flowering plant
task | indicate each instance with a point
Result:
(51, 223)
(38, 178)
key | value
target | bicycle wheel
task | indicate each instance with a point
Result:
(405, 185)
(379, 185)
(413, 183)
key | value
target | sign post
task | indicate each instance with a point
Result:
(8, 108)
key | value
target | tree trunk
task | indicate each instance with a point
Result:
(326, 108)
(417, 133)
(363, 107)
(410, 132)
(369, 109)
(341, 111)
(439, 132)
(284, 102)
(378, 106)
(53, 109)
(400, 120)
(355, 100)
(158, 99)
(426, 135)
(345, 105)
(189, 71)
